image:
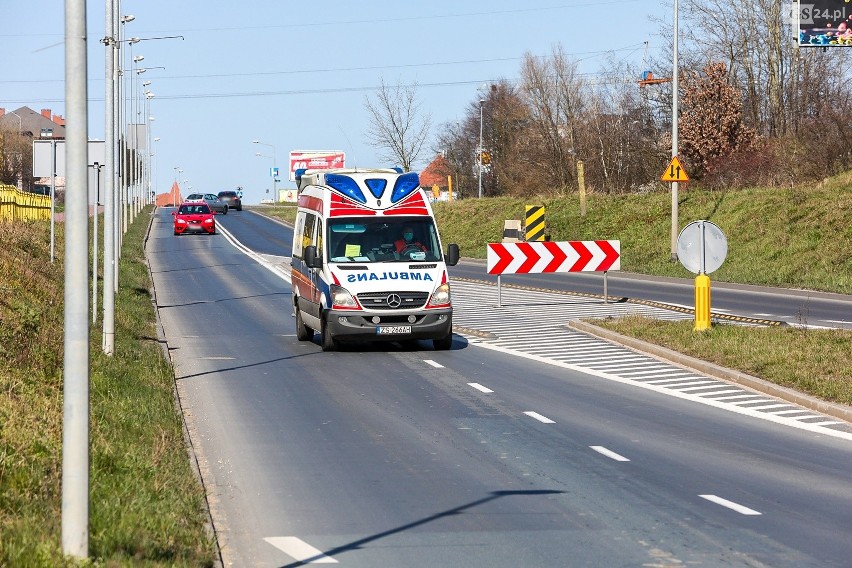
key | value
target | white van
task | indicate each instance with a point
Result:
(367, 260)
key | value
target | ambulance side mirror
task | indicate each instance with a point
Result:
(452, 254)
(312, 260)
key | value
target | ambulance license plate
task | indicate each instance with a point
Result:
(393, 330)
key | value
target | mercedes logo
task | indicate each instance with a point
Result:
(394, 301)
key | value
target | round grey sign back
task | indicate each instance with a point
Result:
(689, 245)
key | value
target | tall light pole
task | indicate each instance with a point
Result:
(674, 136)
(274, 168)
(479, 153)
(148, 118)
(110, 79)
(76, 364)
(178, 171)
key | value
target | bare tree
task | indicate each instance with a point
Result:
(397, 126)
(15, 159)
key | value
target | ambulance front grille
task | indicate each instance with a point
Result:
(388, 300)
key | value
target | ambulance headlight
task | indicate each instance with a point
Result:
(341, 298)
(440, 297)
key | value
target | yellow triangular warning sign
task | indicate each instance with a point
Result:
(674, 171)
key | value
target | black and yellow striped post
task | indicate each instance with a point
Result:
(534, 223)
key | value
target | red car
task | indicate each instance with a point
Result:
(195, 218)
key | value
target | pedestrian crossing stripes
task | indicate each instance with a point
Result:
(533, 323)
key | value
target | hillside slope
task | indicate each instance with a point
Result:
(797, 237)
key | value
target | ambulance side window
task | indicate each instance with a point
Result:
(319, 237)
(298, 232)
(310, 227)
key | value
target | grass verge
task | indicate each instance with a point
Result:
(815, 362)
(146, 505)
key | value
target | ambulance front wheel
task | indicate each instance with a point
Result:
(444, 343)
(328, 341)
(303, 332)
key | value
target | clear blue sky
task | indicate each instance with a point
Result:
(295, 74)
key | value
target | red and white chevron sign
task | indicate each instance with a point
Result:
(551, 256)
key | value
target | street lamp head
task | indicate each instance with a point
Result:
(134, 40)
(138, 58)
(255, 141)
(127, 18)
(146, 83)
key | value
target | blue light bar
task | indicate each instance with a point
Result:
(397, 169)
(376, 186)
(298, 175)
(345, 185)
(404, 186)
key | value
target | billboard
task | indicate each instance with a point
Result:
(315, 160)
(826, 23)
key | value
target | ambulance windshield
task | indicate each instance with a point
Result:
(404, 239)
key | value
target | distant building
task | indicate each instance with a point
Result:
(434, 179)
(30, 123)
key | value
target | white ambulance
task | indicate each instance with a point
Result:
(367, 260)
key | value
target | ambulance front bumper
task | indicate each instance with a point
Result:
(371, 326)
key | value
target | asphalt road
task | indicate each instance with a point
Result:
(479, 456)
(794, 307)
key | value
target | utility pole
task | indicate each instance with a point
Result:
(479, 154)
(111, 78)
(75, 370)
(674, 136)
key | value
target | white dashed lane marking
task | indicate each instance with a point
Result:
(299, 550)
(731, 505)
(609, 453)
(480, 388)
(533, 324)
(539, 417)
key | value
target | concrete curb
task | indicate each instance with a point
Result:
(839, 411)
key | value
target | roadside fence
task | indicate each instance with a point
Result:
(17, 205)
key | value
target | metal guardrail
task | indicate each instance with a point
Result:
(17, 205)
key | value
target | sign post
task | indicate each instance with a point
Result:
(674, 173)
(702, 248)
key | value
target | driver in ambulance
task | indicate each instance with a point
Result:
(407, 241)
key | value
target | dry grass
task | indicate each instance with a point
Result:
(146, 507)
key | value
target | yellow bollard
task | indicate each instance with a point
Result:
(702, 302)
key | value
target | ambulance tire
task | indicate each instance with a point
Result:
(328, 342)
(444, 343)
(303, 332)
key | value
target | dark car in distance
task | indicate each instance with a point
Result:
(232, 198)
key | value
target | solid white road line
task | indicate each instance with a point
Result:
(731, 505)
(609, 453)
(433, 363)
(480, 388)
(300, 550)
(539, 417)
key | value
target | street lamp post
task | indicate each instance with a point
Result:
(273, 171)
(479, 153)
(178, 171)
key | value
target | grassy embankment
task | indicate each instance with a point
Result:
(146, 506)
(792, 237)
